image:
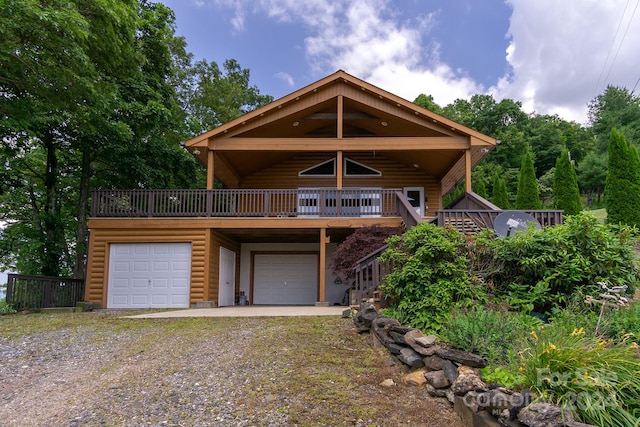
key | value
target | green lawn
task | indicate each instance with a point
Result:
(601, 214)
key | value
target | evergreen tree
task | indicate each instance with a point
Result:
(500, 196)
(566, 194)
(480, 189)
(635, 163)
(528, 196)
(622, 189)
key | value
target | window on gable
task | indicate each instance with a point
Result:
(326, 168)
(353, 168)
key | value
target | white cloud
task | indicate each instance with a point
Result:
(286, 77)
(559, 51)
(366, 38)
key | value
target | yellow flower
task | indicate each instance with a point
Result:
(551, 347)
(521, 369)
(577, 332)
(534, 335)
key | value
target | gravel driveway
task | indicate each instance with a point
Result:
(97, 369)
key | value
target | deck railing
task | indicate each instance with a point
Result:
(471, 221)
(369, 273)
(307, 202)
(409, 216)
(25, 292)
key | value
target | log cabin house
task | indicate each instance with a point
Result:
(299, 175)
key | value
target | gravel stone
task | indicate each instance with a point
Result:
(156, 372)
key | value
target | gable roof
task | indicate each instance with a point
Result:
(372, 119)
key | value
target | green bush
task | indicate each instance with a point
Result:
(623, 324)
(6, 308)
(598, 380)
(576, 316)
(431, 275)
(542, 269)
(505, 377)
(495, 335)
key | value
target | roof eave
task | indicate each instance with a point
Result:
(477, 138)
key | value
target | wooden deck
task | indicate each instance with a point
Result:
(237, 203)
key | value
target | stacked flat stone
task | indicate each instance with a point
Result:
(444, 371)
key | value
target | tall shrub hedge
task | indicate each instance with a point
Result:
(431, 276)
(438, 269)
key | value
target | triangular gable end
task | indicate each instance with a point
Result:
(341, 113)
(312, 112)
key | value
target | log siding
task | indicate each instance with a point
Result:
(97, 280)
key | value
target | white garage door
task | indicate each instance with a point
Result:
(285, 279)
(149, 275)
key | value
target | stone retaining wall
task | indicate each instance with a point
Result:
(447, 372)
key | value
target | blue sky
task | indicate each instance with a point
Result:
(554, 56)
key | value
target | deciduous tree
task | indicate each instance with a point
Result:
(218, 96)
(91, 98)
(592, 175)
(617, 108)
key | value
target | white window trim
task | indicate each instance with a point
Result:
(303, 175)
(377, 172)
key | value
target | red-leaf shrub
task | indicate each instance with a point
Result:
(361, 243)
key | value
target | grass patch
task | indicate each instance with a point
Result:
(600, 214)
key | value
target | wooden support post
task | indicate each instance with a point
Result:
(467, 171)
(208, 248)
(339, 117)
(322, 274)
(339, 170)
(210, 170)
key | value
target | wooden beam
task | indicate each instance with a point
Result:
(340, 117)
(210, 169)
(226, 173)
(455, 175)
(322, 274)
(345, 144)
(339, 170)
(467, 171)
(132, 224)
(207, 268)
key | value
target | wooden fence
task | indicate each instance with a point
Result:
(25, 292)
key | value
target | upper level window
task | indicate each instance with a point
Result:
(326, 168)
(353, 168)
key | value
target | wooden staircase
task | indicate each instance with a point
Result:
(465, 226)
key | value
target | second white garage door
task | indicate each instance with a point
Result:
(290, 279)
(149, 275)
